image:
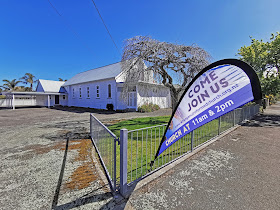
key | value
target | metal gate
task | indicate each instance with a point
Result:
(105, 143)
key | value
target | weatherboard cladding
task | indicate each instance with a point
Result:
(105, 72)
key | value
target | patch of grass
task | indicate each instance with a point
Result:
(138, 123)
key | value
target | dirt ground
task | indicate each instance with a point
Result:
(46, 159)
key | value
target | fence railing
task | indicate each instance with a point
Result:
(131, 161)
(105, 144)
(142, 144)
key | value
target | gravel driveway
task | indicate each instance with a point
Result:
(46, 159)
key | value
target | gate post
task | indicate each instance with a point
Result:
(123, 161)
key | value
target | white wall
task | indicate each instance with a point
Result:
(39, 100)
(63, 102)
(93, 101)
(5, 102)
(18, 102)
(42, 100)
(156, 94)
(121, 105)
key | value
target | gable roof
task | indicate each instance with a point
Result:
(50, 86)
(105, 72)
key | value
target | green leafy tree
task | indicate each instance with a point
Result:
(29, 78)
(270, 85)
(255, 55)
(61, 80)
(10, 84)
(274, 51)
(263, 57)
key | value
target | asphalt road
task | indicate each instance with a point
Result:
(239, 171)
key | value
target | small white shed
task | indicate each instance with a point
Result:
(48, 93)
(54, 92)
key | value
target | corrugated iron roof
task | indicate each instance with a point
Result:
(51, 86)
(105, 72)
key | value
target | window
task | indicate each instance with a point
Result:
(97, 92)
(63, 97)
(73, 93)
(109, 91)
(88, 92)
(80, 92)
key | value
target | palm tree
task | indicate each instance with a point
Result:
(29, 78)
(10, 85)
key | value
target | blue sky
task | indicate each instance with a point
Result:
(35, 39)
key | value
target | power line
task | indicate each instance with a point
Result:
(70, 27)
(105, 26)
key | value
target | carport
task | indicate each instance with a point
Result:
(34, 99)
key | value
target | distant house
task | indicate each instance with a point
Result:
(48, 93)
(53, 91)
(97, 88)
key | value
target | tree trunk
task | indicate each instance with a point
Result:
(174, 99)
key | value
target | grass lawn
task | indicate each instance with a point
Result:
(143, 144)
(138, 123)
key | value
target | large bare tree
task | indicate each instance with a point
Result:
(172, 65)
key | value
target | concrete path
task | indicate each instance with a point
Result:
(239, 171)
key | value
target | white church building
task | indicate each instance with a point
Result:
(97, 88)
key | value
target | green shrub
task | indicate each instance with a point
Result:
(148, 107)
